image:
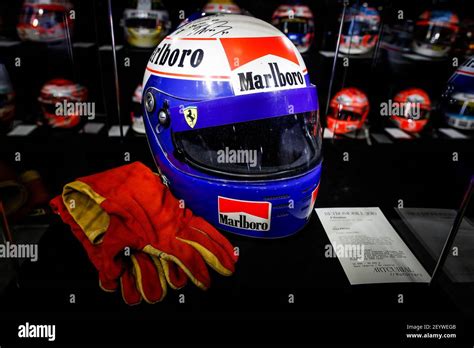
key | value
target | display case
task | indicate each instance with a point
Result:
(270, 122)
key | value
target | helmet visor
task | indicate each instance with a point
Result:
(41, 17)
(358, 28)
(262, 148)
(412, 111)
(147, 23)
(293, 26)
(5, 99)
(345, 115)
(460, 106)
(434, 35)
(51, 109)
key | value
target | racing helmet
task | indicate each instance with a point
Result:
(45, 20)
(7, 101)
(458, 98)
(413, 108)
(297, 22)
(61, 103)
(348, 111)
(464, 44)
(221, 6)
(232, 120)
(360, 30)
(136, 114)
(146, 23)
(435, 32)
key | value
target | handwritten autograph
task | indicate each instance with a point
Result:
(213, 27)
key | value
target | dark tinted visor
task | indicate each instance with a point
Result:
(344, 115)
(263, 148)
(148, 23)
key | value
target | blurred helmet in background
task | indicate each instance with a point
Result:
(136, 114)
(458, 98)
(146, 23)
(435, 33)
(348, 111)
(221, 6)
(7, 100)
(45, 20)
(413, 107)
(296, 22)
(360, 30)
(59, 100)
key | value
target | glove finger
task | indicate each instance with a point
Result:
(221, 259)
(107, 284)
(204, 227)
(186, 258)
(130, 293)
(149, 277)
(175, 276)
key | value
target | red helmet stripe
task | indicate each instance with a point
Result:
(249, 49)
(259, 209)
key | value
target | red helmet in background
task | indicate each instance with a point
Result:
(59, 100)
(413, 106)
(348, 111)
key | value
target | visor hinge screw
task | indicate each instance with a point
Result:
(163, 114)
(149, 102)
(163, 117)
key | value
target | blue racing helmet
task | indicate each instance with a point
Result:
(458, 98)
(233, 123)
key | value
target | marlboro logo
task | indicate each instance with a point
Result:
(250, 81)
(263, 64)
(246, 215)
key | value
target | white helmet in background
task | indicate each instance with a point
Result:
(146, 23)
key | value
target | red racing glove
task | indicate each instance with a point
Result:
(141, 277)
(155, 223)
(173, 234)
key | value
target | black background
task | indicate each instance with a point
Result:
(252, 305)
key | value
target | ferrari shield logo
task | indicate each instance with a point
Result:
(190, 115)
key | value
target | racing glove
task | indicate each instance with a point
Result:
(139, 277)
(156, 223)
